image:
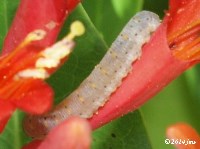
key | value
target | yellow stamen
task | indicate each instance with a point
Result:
(50, 57)
(76, 29)
(32, 36)
(35, 35)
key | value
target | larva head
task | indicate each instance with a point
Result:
(149, 18)
(139, 29)
(34, 127)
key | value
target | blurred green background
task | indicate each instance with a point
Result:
(142, 129)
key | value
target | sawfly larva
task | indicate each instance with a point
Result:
(96, 89)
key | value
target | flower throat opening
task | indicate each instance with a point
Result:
(185, 43)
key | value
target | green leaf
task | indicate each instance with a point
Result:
(109, 16)
(156, 6)
(127, 132)
(7, 12)
(13, 136)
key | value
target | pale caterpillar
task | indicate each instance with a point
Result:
(95, 90)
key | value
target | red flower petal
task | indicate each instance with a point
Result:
(6, 110)
(182, 14)
(48, 15)
(33, 145)
(155, 69)
(35, 97)
(73, 133)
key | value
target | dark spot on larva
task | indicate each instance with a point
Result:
(126, 53)
(147, 19)
(45, 118)
(131, 26)
(105, 86)
(116, 56)
(120, 43)
(65, 107)
(80, 114)
(151, 33)
(113, 135)
(115, 71)
(44, 134)
(136, 34)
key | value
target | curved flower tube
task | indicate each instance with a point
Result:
(173, 48)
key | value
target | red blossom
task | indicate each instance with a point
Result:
(168, 53)
(32, 95)
(73, 133)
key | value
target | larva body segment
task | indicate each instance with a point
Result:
(95, 90)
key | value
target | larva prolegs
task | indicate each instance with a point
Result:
(96, 89)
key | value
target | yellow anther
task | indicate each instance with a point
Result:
(32, 36)
(76, 29)
(35, 35)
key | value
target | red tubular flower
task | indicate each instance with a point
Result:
(24, 93)
(73, 133)
(173, 48)
(184, 136)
